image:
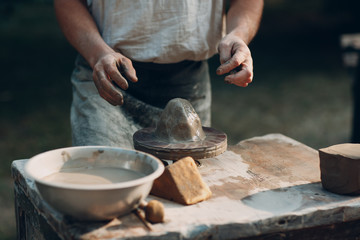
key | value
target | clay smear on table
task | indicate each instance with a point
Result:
(91, 176)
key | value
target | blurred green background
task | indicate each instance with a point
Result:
(301, 88)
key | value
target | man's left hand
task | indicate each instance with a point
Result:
(235, 55)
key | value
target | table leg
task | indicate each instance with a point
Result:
(29, 223)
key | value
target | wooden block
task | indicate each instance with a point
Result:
(181, 182)
(340, 168)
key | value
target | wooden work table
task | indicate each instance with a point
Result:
(263, 188)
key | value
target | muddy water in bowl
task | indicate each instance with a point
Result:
(94, 182)
(91, 176)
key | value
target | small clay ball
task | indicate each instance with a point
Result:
(154, 212)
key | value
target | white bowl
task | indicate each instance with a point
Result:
(94, 201)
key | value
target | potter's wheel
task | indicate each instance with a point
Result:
(214, 144)
(179, 133)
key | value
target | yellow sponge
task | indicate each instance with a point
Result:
(181, 182)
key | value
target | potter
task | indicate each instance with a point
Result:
(142, 54)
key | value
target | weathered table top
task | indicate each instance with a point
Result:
(261, 185)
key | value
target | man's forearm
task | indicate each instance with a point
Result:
(244, 18)
(80, 29)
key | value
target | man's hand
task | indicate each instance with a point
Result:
(110, 71)
(235, 58)
(110, 68)
(242, 22)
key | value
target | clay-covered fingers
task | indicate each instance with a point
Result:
(235, 60)
(239, 64)
(106, 89)
(225, 50)
(127, 70)
(234, 57)
(111, 70)
(244, 76)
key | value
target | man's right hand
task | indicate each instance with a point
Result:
(112, 70)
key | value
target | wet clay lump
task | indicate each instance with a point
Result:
(179, 123)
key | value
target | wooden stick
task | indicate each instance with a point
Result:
(138, 213)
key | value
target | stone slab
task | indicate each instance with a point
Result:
(261, 186)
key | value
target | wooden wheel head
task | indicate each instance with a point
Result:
(214, 144)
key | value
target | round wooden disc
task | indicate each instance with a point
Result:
(214, 144)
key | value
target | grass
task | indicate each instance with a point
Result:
(300, 89)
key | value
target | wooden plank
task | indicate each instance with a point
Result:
(344, 231)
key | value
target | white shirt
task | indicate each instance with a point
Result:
(160, 31)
